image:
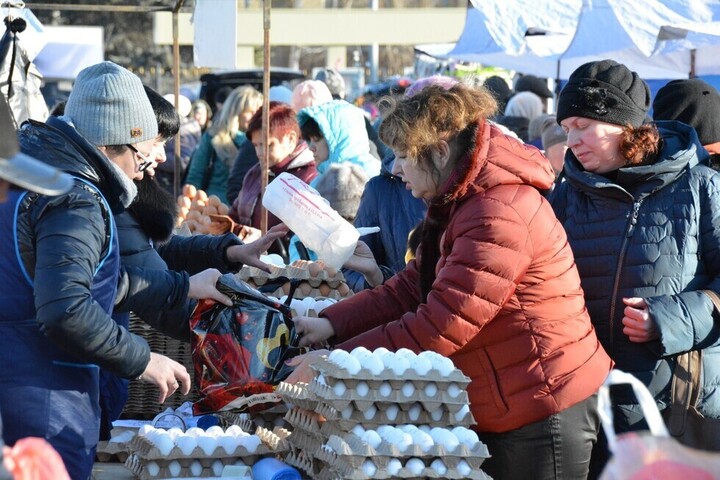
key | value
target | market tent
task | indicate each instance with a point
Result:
(625, 31)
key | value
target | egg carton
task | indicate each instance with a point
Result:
(276, 439)
(332, 373)
(304, 461)
(301, 440)
(145, 449)
(269, 418)
(298, 394)
(405, 396)
(346, 419)
(311, 272)
(302, 292)
(145, 469)
(354, 451)
(307, 421)
(359, 467)
(112, 451)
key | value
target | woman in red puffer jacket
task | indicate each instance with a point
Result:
(494, 287)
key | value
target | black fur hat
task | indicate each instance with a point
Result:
(607, 91)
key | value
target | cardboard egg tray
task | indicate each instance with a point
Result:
(276, 439)
(354, 451)
(307, 422)
(301, 460)
(346, 423)
(429, 403)
(331, 473)
(139, 466)
(332, 372)
(112, 451)
(260, 277)
(298, 394)
(144, 448)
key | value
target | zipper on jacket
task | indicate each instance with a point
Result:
(618, 268)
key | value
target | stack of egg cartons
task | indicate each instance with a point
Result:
(383, 415)
(158, 453)
(315, 279)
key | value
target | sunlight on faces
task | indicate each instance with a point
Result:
(279, 148)
(419, 180)
(595, 144)
(319, 148)
(244, 119)
(157, 154)
(129, 161)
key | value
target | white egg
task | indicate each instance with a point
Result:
(362, 388)
(463, 468)
(196, 468)
(408, 389)
(430, 389)
(466, 436)
(393, 437)
(439, 466)
(215, 431)
(321, 379)
(228, 443)
(124, 437)
(425, 428)
(422, 439)
(339, 388)
(153, 469)
(445, 438)
(217, 468)
(207, 444)
(373, 364)
(385, 389)
(391, 412)
(338, 357)
(143, 431)
(369, 468)
(372, 438)
(414, 412)
(186, 444)
(274, 259)
(352, 365)
(382, 430)
(234, 430)
(164, 443)
(240, 463)
(406, 353)
(444, 365)
(380, 351)
(195, 432)
(462, 413)
(347, 412)
(251, 443)
(453, 390)
(408, 428)
(421, 365)
(370, 412)
(404, 441)
(437, 414)
(393, 466)
(174, 433)
(358, 430)
(360, 353)
(415, 466)
(174, 467)
(399, 365)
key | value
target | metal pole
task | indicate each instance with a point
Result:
(266, 107)
(176, 89)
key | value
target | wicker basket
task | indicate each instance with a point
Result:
(142, 401)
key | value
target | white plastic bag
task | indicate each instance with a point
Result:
(653, 455)
(305, 212)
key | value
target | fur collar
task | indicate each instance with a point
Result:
(154, 209)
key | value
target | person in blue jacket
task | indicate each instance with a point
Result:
(62, 273)
(639, 205)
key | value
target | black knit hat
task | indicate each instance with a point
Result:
(693, 102)
(607, 91)
(531, 83)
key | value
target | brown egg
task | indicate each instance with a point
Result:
(343, 289)
(314, 269)
(325, 289)
(209, 210)
(189, 191)
(304, 289)
(223, 209)
(213, 200)
(184, 212)
(193, 215)
(201, 195)
(331, 271)
(286, 288)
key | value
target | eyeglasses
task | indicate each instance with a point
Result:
(146, 161)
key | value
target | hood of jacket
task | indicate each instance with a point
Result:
(343, 126)
(496, 159)
(681, 150)
(58, 144)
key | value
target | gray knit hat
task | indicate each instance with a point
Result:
(334, 81)
(342, 185)
(108, 106)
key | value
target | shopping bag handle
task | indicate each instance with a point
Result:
(644, 398)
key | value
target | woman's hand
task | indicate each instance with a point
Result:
(637, 323)
(313, 330)
(249, 253)
(303, 373)
(363, 261)
(166, 374)
(203, 286)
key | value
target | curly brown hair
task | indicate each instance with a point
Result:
(640, 145)
(416, 124)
